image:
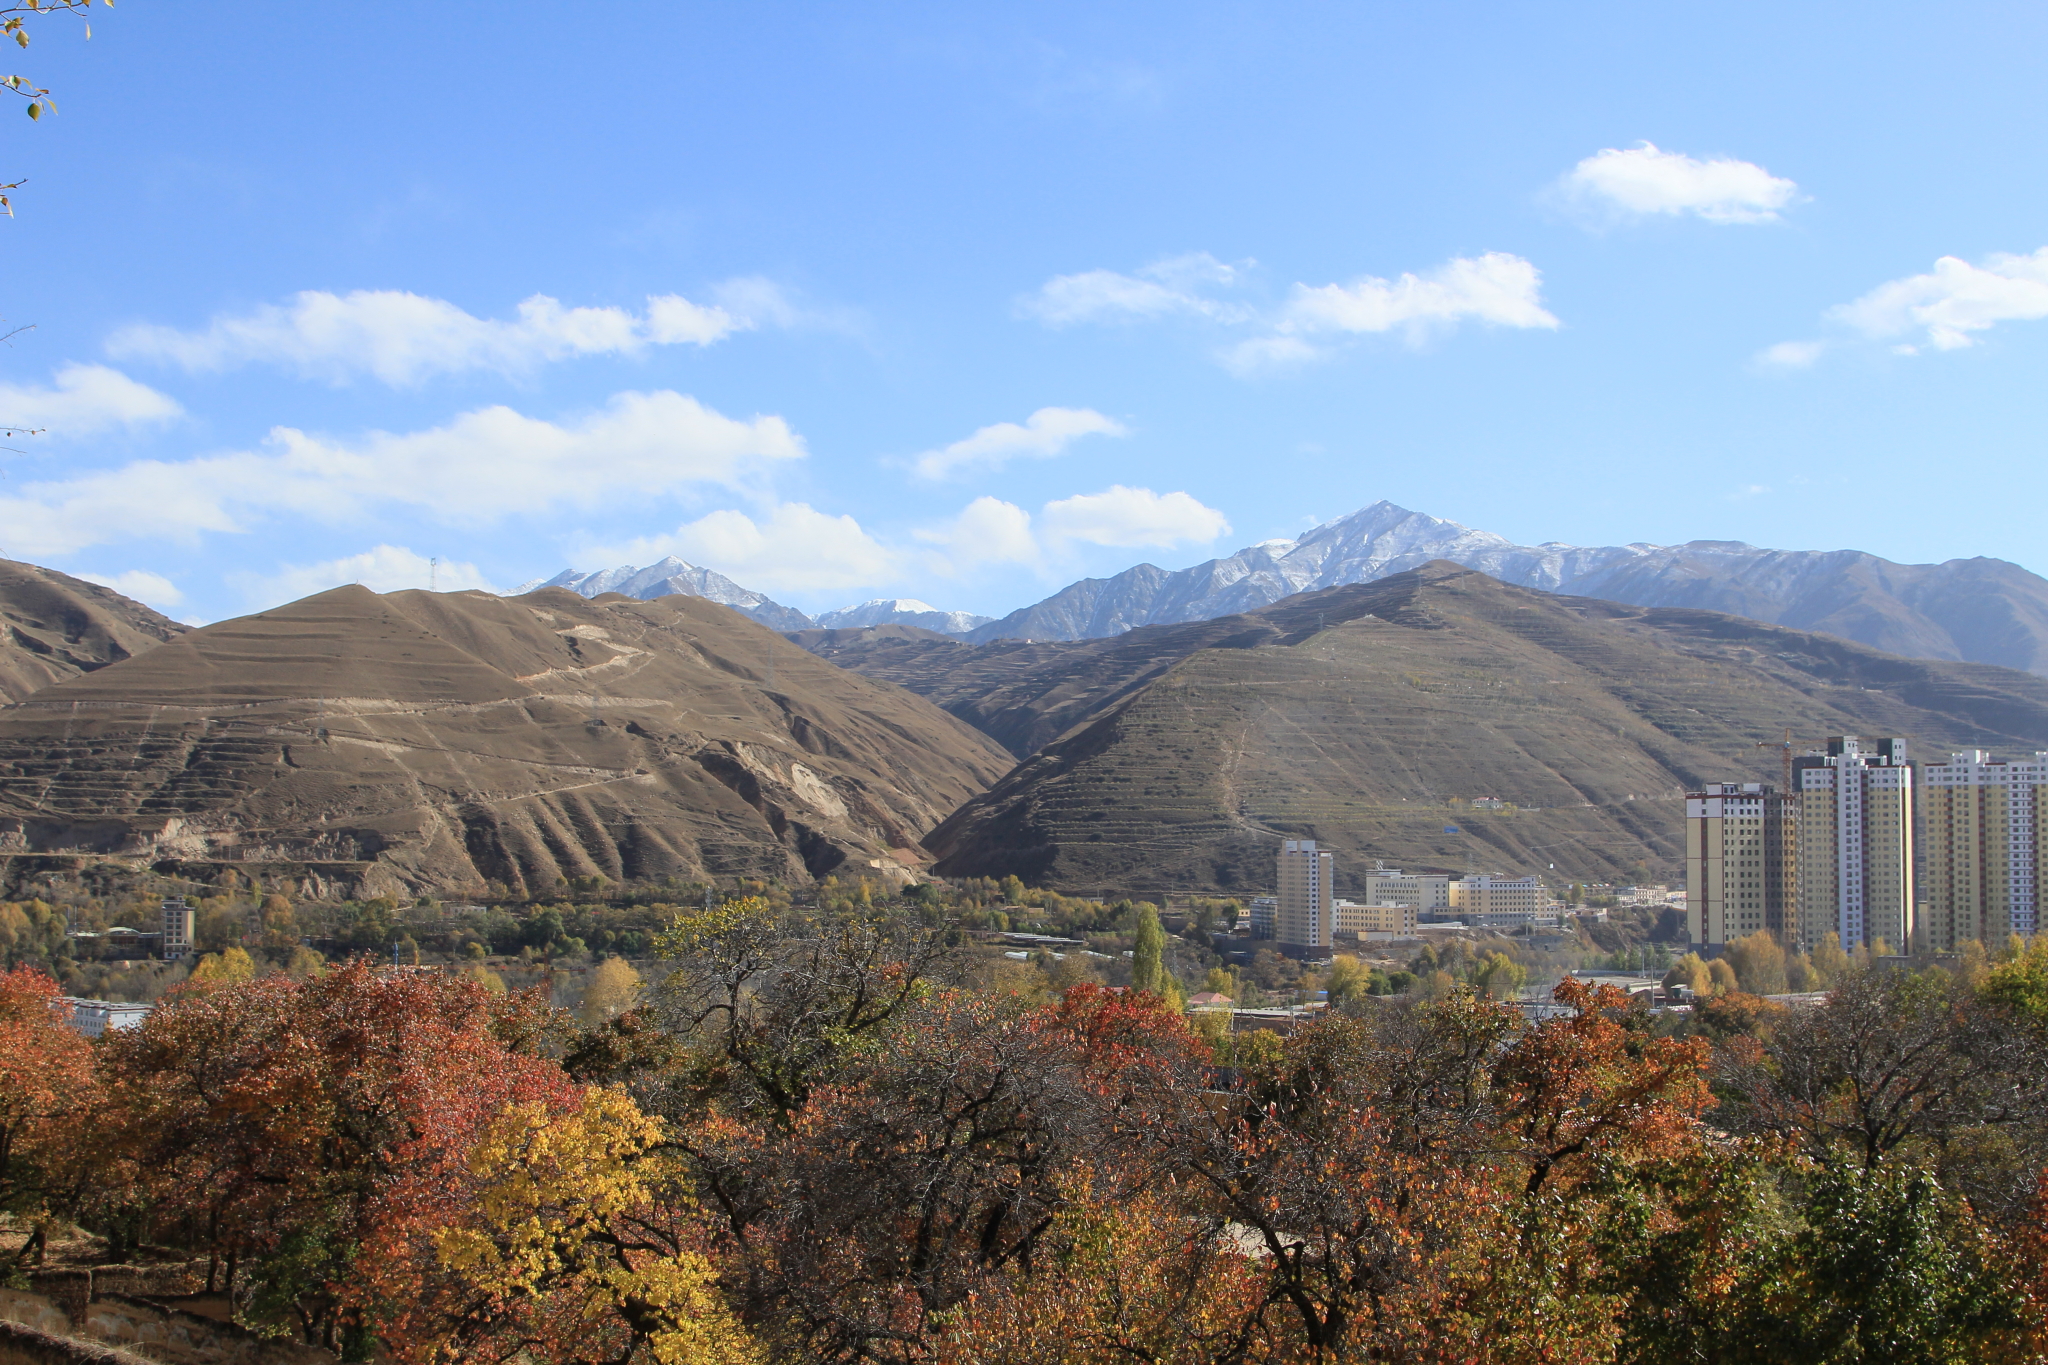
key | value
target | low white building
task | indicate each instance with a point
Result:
(94, 1017)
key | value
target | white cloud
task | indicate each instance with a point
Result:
(402, 338)
(84, 399)
(1131, 517)
(1645, 180)
(991, 531)
(387, 568)
(1497, 288)
(481, 467)
(1044, 434)
(1158, 290)
(1792, 355)
(1954, 300)
(987, 531)
(140, 584)
(793, 547)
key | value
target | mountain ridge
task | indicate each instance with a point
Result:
(388, 744)
(59, 627)
(1981, 610)
(1174, 757)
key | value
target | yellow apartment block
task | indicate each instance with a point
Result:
(1307, 888)
(1392, 918)
(1979, 841)
(1741, 860)
(1855, 842)
(1485, 895)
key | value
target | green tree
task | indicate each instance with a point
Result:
(1498, 976)
(1148, 947)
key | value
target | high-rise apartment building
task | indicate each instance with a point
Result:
(1983, 822)
(1741, 861)
(1856, 843)
(177, 930)
(1307, 888)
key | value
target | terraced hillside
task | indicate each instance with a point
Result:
(1371, 716)
(447, 741)
(57, 627)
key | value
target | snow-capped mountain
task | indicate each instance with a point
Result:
(1984, 610)
(902, 611)
(672, 576)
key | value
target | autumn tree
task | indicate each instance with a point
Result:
(277, 1117)
(49, 1103)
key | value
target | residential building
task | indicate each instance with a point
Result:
(1855, 842)
(1982, 822)
(1265, 917)
(1429, 895)
(177, 930)
(1307, 877)
(94, 1017)
(1741, 862)
(1495, 900)
(1384, 920)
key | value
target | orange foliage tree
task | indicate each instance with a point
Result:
(49, 1102)
(288, 1124)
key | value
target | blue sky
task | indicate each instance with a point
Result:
(964, 302)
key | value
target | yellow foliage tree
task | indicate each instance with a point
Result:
(226, 968)
(567, 1254)
(614, 988)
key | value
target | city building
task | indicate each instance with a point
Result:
(1855, 842)
(1307, 877)
(1496, 901)
(177, 930)
(1388, 920)
(1981, 827)
(1429, 895)
(1741, 862)
(1265, 917)
(94, 1017)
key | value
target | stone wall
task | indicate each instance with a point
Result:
(23, 1345)
(164, 1333)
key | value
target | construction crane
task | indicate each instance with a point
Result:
(1784, 748)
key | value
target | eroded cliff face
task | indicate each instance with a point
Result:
(443, 742)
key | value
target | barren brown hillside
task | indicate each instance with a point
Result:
(1370, 717)
(58, 627)
(448, 741)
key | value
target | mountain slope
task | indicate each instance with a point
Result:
(1984, 610)
(450, 740)
(673, 576)
(1370, 716)
(58, 627)
(902, 611)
